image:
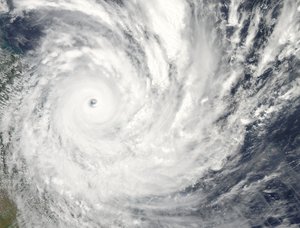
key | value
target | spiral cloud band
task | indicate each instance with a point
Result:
(161, 113)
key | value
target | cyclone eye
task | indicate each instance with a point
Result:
(93, 103)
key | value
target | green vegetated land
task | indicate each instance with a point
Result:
(10, 68)
(8, 212)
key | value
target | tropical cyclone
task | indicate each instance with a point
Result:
(122, 108)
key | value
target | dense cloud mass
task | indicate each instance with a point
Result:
(161, 113)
